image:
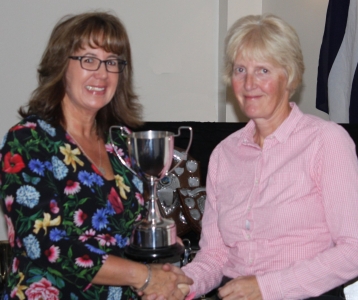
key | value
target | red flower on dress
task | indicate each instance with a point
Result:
(9, 200)
(54, 207)
(42, 289)
(13, 163)
(79, 217)
(26, 125)
(115, 201)
(87, 235)
(72, 187)
(84, 261)
(15, 265)
(106, 239)
(52, 253)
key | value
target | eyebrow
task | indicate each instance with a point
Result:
(111, 56)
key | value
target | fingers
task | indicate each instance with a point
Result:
(168, 267)
(164, 283)
(184, 288)
(241, 288)
(184, 279)
(181, 275)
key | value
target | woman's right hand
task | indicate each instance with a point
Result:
(170, 283)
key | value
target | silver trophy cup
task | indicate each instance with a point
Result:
(151, 155)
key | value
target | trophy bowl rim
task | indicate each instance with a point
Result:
(151, 134)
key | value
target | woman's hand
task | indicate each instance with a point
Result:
(167, 282)
(241, 288)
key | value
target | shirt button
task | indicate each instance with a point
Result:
(251, 261)
(247, 224)
(256, 181)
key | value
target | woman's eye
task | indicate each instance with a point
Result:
(112, 62)
(239, 70)
(265, 70)
(88, 60)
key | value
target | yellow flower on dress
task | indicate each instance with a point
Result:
(21, 288)
(122, 187)
(70, 156)
(47, 222)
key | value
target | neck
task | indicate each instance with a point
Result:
(79, 124)
(266, 127)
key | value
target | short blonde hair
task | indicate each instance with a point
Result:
(268, 38)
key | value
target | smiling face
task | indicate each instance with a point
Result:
(89, 91)
(261, 89)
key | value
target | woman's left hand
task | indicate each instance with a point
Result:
(241, 288)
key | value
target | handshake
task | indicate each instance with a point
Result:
(165, 282)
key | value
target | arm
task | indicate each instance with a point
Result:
(118, 271)
(335, 173)
(206, 268)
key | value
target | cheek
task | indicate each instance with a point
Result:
(237, 85)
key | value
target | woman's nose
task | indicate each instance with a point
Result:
(102, 71)
(249, 81)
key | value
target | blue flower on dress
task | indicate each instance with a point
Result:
(114, 293)
(37, 166)
(32, 246)
(109, 209)
(59, 169)
(99, 219)
(57, 234)
(47, 127)
(73, 296)
(3, 141)
(28, 196)
(95, 250)
(97, 179)
(48, 165)
(138, 184)
(121, 241)
(85, 178)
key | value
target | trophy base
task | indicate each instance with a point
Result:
(169, 254)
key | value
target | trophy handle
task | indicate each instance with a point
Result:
(185, 154)
(112, 143)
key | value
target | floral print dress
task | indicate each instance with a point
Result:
(63, 217)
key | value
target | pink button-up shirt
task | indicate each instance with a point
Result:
(286, 212)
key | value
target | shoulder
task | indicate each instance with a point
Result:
(326, 130)
(327, 137)
(32, 135)
(228, 145)
(33, 124)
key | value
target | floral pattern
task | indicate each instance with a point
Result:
(63, 217)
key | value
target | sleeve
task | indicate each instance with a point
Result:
(40, 222)
(335, 171)
(206, 268)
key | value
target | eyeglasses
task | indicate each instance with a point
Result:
(114, 65)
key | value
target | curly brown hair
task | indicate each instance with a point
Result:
(72, 32)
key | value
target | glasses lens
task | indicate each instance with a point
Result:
(90, 63)
(115, 65)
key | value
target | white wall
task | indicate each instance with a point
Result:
(177, 51)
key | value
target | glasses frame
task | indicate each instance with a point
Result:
(121, 62)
